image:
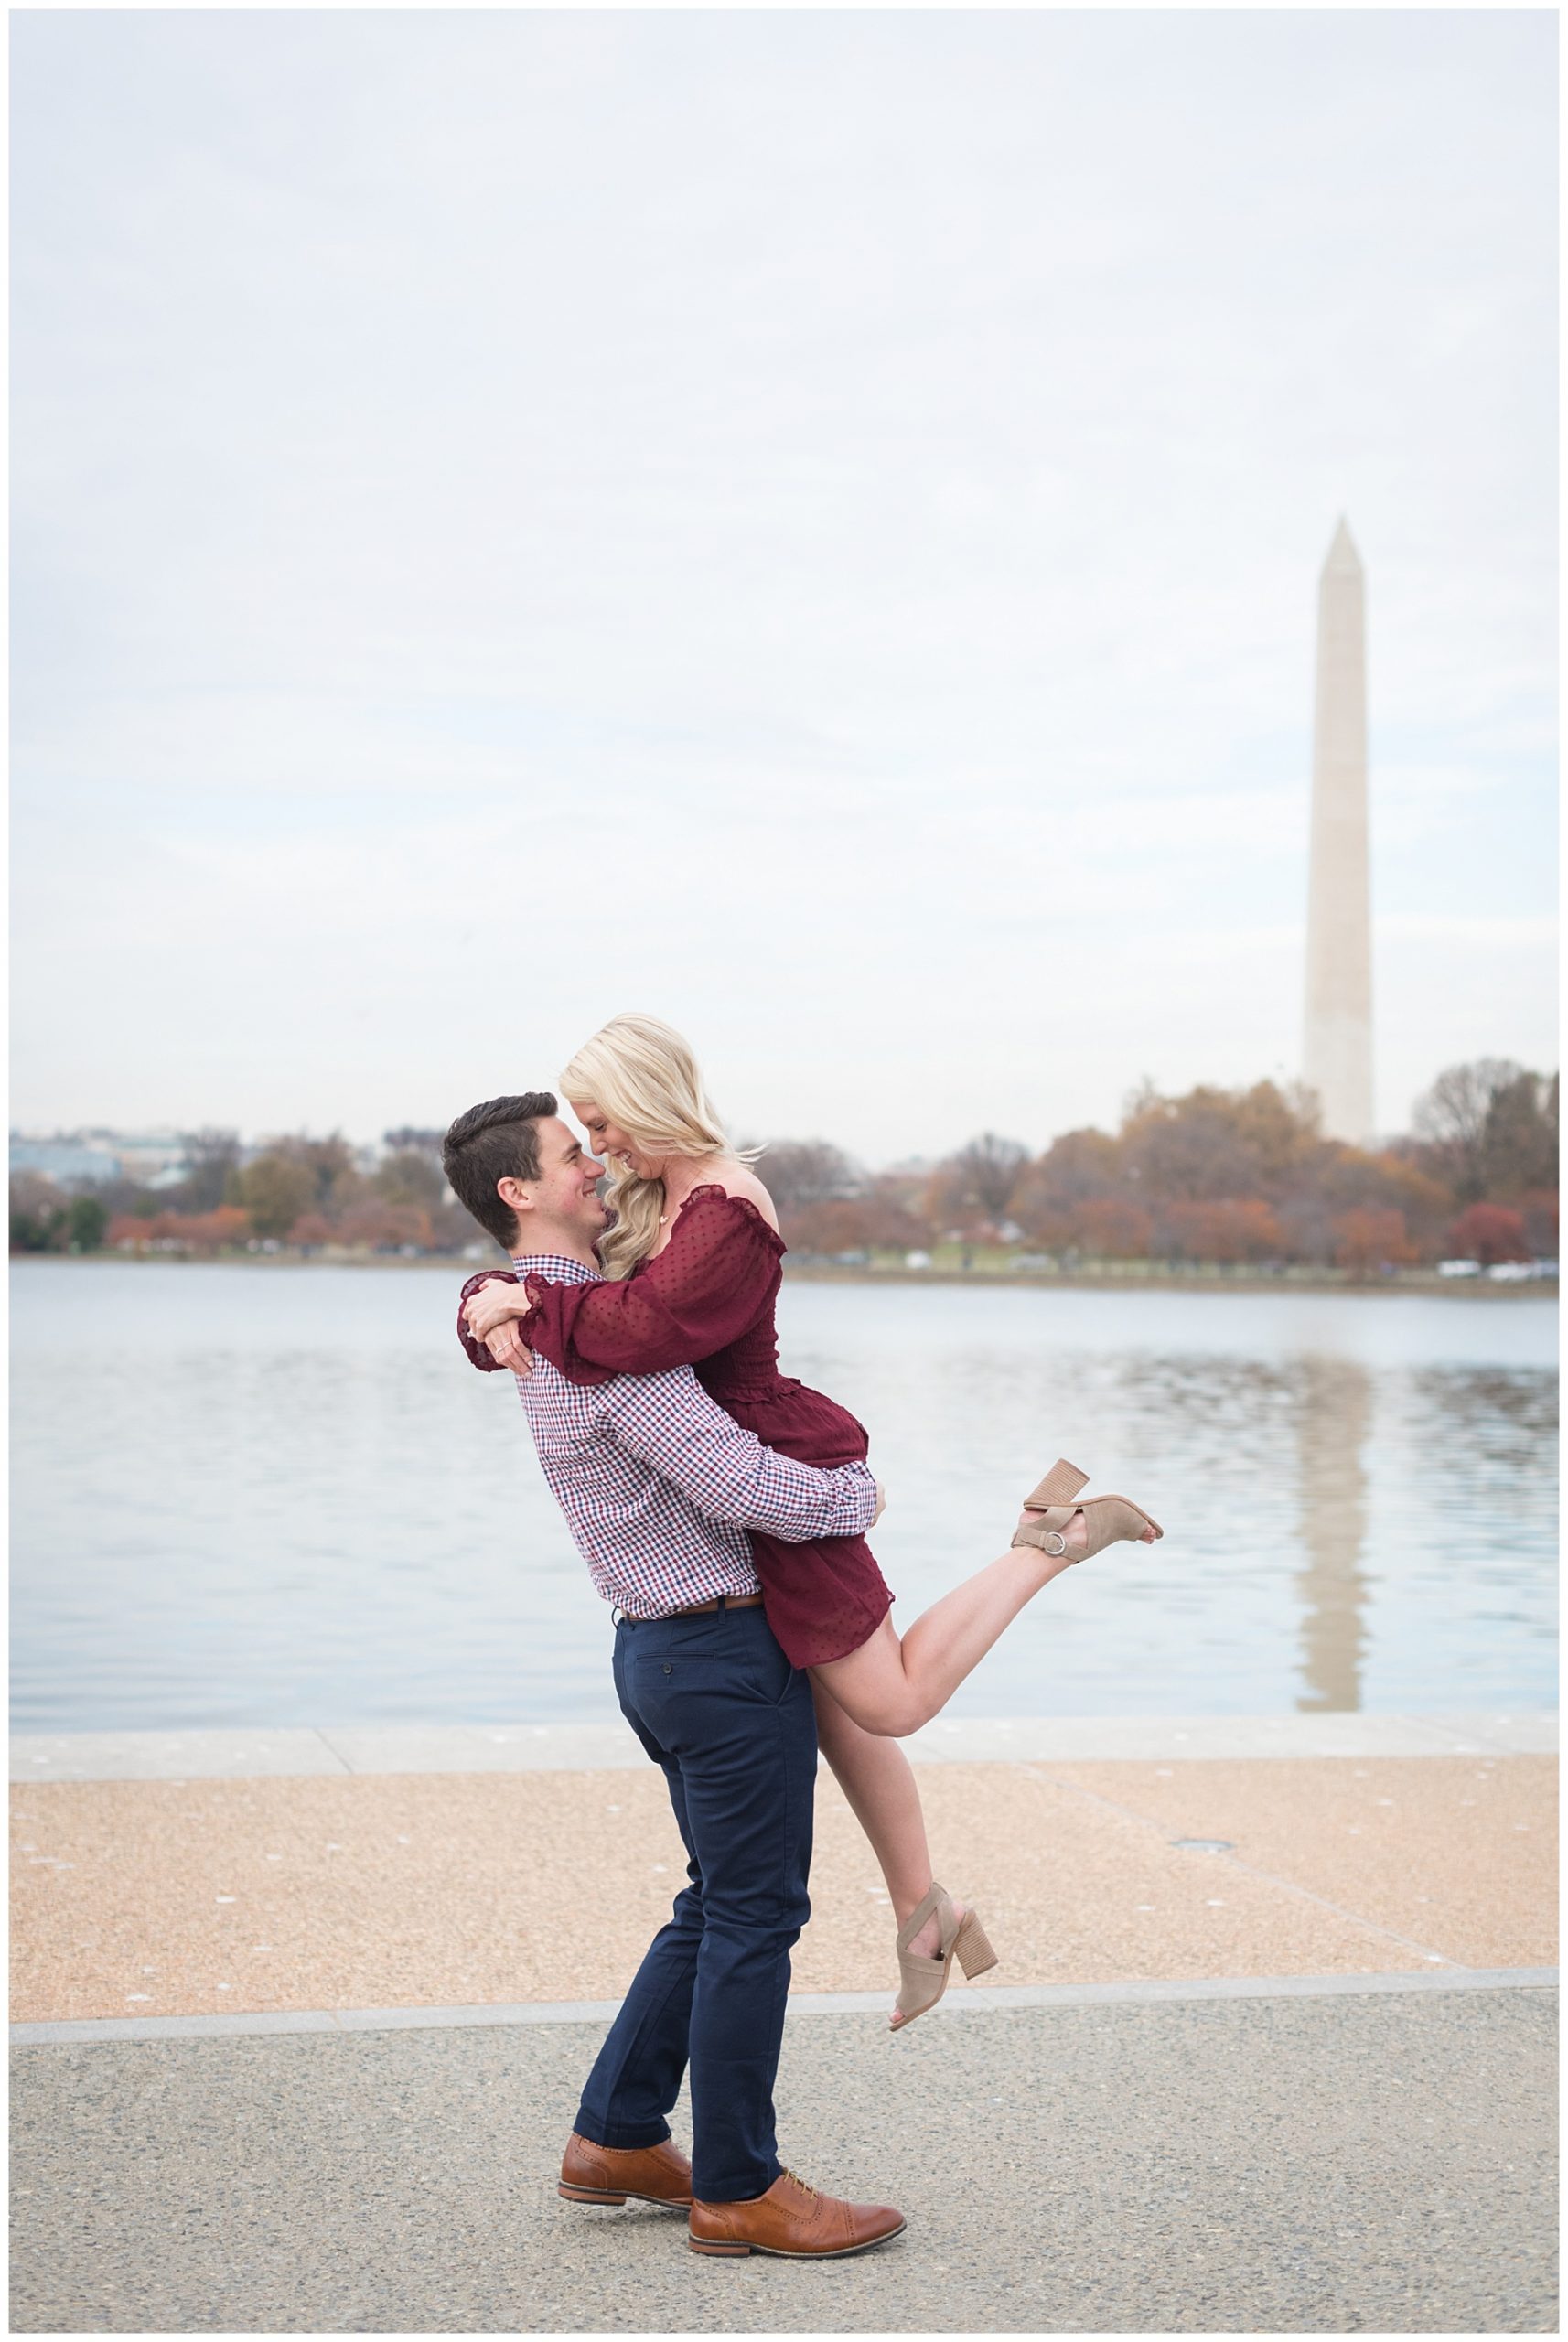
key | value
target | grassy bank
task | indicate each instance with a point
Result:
(976, 1265)
(982, 1267)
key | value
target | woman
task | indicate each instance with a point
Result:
(692, 1259)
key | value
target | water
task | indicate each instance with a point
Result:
(263, 1496)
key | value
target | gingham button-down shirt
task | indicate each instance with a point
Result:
(659, 1485)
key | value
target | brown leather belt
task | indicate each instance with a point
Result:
(719, 1602)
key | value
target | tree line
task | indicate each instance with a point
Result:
(1215, 1176)
(305, 1193)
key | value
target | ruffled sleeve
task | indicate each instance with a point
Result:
(702, 1292)
(477, 1354)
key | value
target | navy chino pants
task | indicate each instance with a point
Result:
(716, 1703)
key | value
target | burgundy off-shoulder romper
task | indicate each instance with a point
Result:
(707, 1301)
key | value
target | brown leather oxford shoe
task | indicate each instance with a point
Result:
(593, 2175)
(793, 2220)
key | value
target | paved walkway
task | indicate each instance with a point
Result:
(296, 2048)
(1300, 2165)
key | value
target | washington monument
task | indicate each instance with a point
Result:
(1337, 1061)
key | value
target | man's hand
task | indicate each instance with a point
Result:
(881, 1501)
(494, 1304)
(507, 1346)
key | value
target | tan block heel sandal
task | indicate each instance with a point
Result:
(1108, 1520)
(923, 1979)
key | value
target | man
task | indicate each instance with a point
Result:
(659, 1487)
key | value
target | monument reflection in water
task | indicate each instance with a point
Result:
(1333, 1424)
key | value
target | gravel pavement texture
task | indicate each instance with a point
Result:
(1300, 2165)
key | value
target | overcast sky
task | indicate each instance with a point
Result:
(806, 524)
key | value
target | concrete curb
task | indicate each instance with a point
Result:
(980, 2002)
(611, 1746)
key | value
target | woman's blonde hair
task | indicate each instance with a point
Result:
(642, 1075)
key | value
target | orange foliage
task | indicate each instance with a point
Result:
(851, 1224)
(212, 1231)
(1234, 1229)
(1114, 1231)
(202, 1232)
(381, 1225)
(1370, 1238)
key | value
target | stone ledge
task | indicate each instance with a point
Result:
(961, 2002)
(610, 1746)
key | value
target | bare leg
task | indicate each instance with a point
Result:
(879, 1782)
(893, 1687)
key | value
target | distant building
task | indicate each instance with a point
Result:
(153, 1158)
(156, 1159)
(64, 1159)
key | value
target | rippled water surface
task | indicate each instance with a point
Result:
(278, 1496)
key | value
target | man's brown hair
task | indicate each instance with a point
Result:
(498, 1140)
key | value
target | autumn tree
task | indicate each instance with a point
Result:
(974, 1189)
(889, 1220)
(1213, 1144)
(1079, 1168)
(839, 1224)
(275, 1189)
(335, 1179)
(1452, 1120)
(221, 1230)
(877, 1219)
(384, 1227)
(211, 1164)
(1282, 1129)
(990, 1167)
(1348, 1179)
(1110, 1230)
(1229, 1229)
(409, 1176)
(1370, 1238)
(224, 1228)
(1519, 1146)
(797, 1172)
(1488, 1233)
